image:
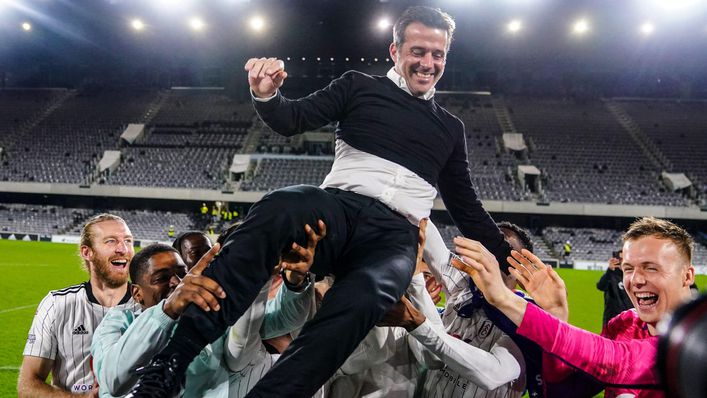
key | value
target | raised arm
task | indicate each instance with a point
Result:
(620, 363)
(289, 117)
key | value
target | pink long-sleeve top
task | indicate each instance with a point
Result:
(628, 363)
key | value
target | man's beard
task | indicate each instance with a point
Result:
(104, 271)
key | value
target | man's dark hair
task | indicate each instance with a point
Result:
(141, 260)
(428, 16)
(177, 244)
(522, 234)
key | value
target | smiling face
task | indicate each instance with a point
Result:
(657, 277)
(110, 252)
(165, 271)
(421, 57)
(193, 247)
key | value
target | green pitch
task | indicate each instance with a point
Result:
(31, 269)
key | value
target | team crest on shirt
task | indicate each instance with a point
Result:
(485, 329)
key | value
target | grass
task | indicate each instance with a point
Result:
(31, 269)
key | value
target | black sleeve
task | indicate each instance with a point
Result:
(289, 117)
(464, 206)
(603, 283)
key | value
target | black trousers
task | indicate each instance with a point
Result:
(369, 248)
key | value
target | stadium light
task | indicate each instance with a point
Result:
(514, 26)
(647, 28)
(26, 26)
(384, 24)
(196, 24)
(137, 24)
(580, 27)
(256, 23)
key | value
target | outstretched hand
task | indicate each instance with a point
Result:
(482, 266)
(541, 282)
(297, 262)
(265, 75)
(196, 288)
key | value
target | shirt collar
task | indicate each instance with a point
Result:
(400, 82)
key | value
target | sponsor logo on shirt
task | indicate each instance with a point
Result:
(80, 330)
(31, 338)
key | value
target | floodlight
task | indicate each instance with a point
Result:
(257, 23)
(347, 59)
(196, 24)
(384, 23)
(580, 27)
(26, 26)
(331, 59)
(647, 28)
(304, 58)
(137, 24)
(363, 59)
(514, 26)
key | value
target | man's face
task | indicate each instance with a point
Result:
(193, 247)
(164, 273)
(657, 277)
(420, 59)
(111, 253)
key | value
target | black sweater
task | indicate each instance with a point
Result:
(377, 117)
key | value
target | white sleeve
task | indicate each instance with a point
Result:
(380, 344)
(488, 370)
(288, 311)
(243, 344)
(437, 257)
(123, 342)
(41, 339)
(421, 299)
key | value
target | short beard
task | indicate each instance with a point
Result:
(103, 272)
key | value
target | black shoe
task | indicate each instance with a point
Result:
(160, 379)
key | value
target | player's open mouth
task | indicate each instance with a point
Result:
(646, 299)
(120, 263)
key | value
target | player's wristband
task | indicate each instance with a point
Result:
(296, 288)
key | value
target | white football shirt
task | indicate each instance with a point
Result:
(62, 330)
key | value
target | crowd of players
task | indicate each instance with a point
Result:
(331, 291)
(91, 339)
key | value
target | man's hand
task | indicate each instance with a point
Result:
(483, 268)
(195, 288)
(433, 287)
(299, 260)
(265, 76)
(403, 314)
(542, 282)
(614, 263)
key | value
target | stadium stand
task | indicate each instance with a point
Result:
(42, 220)
(492, 169)
(67, 144)
(273, 173)
(677, 128)
(586, 156)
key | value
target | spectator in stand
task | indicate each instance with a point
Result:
(59, 340)
(611, 283)
(192, 245)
